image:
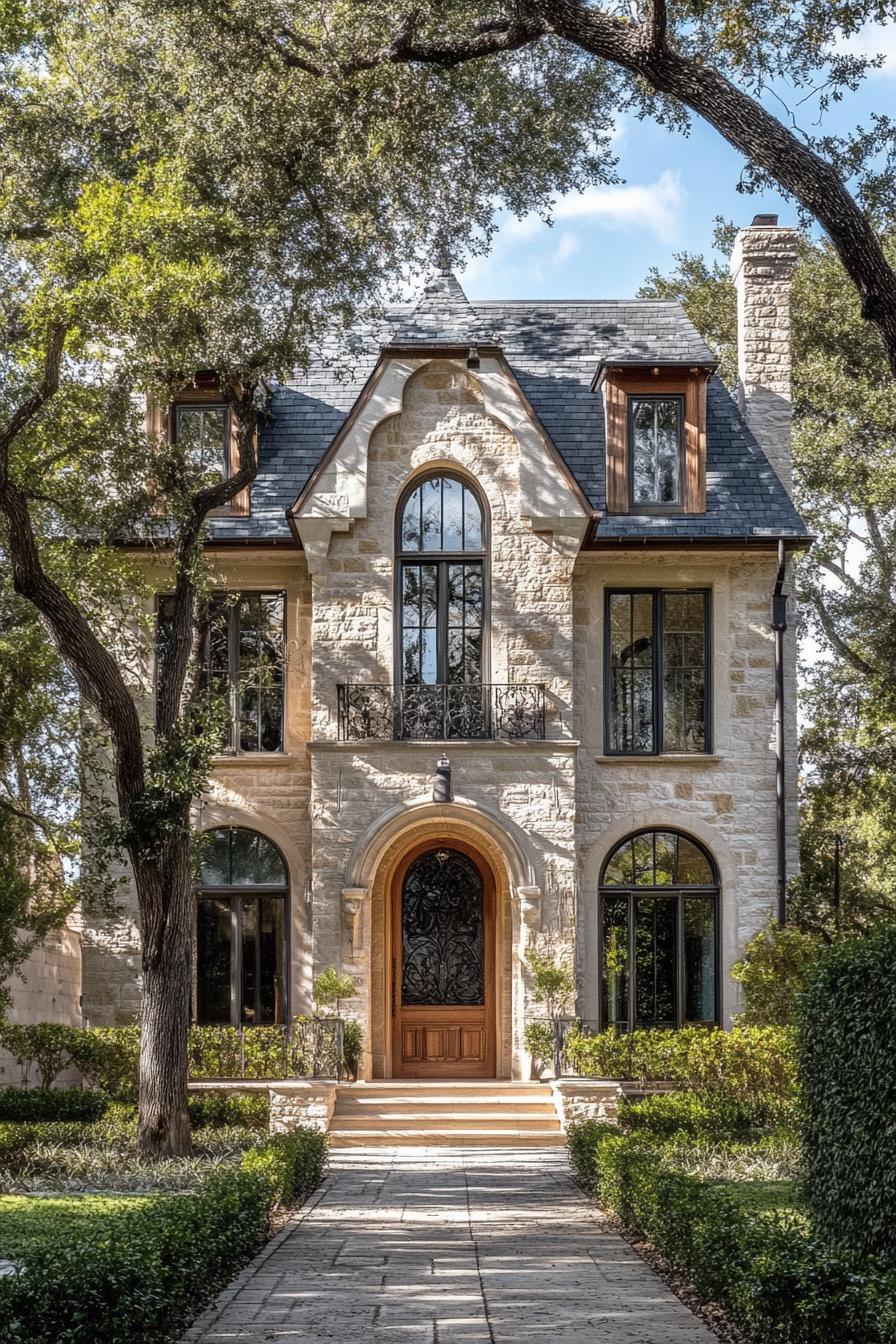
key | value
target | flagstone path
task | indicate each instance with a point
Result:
(448, 1246)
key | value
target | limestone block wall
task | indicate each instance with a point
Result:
(46, 988)
(727, 800)
(268, 793)
(443, 422)
(514, 802)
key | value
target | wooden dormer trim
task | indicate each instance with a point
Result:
(622, 382)
(204, 390)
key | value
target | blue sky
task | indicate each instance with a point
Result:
(603, 242)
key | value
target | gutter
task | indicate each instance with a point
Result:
(779, 626)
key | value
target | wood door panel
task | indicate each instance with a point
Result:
(449, 1040)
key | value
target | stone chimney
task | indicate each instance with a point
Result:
(762, 265)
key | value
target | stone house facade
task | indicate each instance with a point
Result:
(504, 674)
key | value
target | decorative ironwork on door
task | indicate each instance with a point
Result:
(442, 931)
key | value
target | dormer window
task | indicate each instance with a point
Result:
(655, 435)
(199, 419)
(204, 433)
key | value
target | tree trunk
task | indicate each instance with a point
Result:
(165, 891)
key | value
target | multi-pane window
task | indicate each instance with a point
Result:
(244, 665)
(203, 431)
(658, 933)
(657, 683)
(655, 446)
(241, 930)
(441, 585)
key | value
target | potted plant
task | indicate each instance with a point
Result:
(330, 988)
(553, 986)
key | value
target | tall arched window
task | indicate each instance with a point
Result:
(241, 930)
(441, 608)
(659, 933)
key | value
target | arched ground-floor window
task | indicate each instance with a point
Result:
(659, 933)
(241, 929)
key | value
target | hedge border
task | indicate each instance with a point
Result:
(146, 1282)
(772, 1276)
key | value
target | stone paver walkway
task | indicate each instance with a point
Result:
(449, 1246)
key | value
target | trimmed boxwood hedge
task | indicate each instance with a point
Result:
(41, 1104)
(848, 1076)
(142, 1283)
(775, 1279)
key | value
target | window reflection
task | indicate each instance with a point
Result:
(659, 936)
(241, 930)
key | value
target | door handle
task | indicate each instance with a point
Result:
(394, 990)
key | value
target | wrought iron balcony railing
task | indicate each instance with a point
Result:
(383, 713)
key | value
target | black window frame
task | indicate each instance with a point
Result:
(236, 597)
(236, 895)
(658, 595)
(677, 505)
(678, 894)
(178, 407)
(442, 560)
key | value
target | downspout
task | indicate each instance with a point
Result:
(779, 625)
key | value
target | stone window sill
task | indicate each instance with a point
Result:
(666, 758)
(253, 759)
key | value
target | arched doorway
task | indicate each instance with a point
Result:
(442, 965)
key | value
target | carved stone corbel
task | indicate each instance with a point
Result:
(530, 907)
(353, 914)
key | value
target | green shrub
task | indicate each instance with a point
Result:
(44, 1103)
(352, 1044)
(142, 1278)
(750, 1063)
(43, 1045)
(293, 1163)
(774, 971)
(17, 1136)
(539, 1041)
(331, 987)
(711, 1115)
(109, 1059)
(848, 1077)
(220, 1110)
(775, 1279)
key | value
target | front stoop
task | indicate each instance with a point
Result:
(446, 1113)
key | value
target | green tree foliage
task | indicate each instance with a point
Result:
(774, 971)
(553, 983)
(38, 786)
(845, 483)
(168, 204)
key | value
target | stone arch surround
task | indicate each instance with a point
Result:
(670, 818)
(514, 901)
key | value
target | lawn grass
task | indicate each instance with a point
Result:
(30, 1223)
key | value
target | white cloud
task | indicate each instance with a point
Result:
(875, 39)
(655, 207)
(567, 246)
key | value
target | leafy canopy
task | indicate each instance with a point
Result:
(844, 432)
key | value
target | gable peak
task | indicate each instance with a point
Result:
(443, 314)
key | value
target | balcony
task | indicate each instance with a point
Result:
(382, 713)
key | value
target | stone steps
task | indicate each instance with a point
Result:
(441, 1113)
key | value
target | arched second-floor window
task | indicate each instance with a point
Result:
(441, 599)
(241, 923)
(659, 933)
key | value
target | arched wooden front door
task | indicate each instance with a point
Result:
(443, 966)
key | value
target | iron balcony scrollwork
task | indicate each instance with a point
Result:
(444, 712)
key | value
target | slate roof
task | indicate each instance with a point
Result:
(555, 350)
